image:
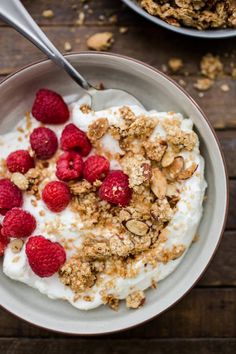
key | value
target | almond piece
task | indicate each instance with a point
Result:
(188, 172)
(136, 227)
(158, 183)
(172, 172)
(178, 251)
(168, 158)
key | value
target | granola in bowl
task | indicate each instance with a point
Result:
(199, 14)
(97, 207)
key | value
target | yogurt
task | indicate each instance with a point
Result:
(66, 226)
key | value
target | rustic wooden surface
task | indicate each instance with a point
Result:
(205, 320)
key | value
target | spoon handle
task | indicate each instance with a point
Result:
(14, 13)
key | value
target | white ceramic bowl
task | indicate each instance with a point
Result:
(214, 33)
(156, 91)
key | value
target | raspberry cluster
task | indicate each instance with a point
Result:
(44, 256)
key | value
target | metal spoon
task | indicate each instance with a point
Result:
(14, 13)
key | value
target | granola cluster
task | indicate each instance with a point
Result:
(115, 238)
(123, 235)
(200, 14)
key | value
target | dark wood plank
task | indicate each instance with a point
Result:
(231, 223)
(66, 11)
(202, 313)
(222, 270)
(228, 143)
(87, 346)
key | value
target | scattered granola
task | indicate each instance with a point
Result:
(211, 66)
(137, 168)
(175, 64)
(123, 30)
(48, 14)
(78, 275)
(225, 88)
(135, 300)
(85, 108)
(203, 84)
(111, 301)
(97, 129)
(155, 149)
(67, 46)
(100, 41)
(161, 210)
(180, 140)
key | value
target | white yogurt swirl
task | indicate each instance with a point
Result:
(181, 229)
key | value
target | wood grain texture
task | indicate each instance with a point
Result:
(88, 346)
(203, 321)
(231, 222)
(66, 11)
(202, 313)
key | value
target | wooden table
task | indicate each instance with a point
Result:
(205, 320)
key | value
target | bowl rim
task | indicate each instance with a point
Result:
(110, 54)
(207, 34)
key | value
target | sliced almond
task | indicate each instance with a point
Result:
(172, 172)
(188, 172)
(158, 183)
(137, 227)
(16, 245)
(168, 158)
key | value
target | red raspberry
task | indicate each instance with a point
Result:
(10, 196)
(44, 256)
(3, 242)
(18, 223)
(56, 195)
(69, 166)
(115, 189)
(20, 161)
(72, 138)
(44, 142)
(50, 108)
(96, 167)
